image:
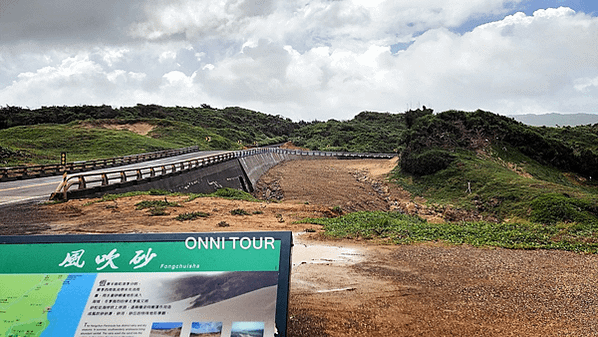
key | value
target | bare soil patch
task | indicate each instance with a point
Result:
(416, 290)
(140, 128)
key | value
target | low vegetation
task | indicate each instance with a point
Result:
(115, 196)
(225, 193)
(192, 216)
(156, 203)
(239, 211)
(403, 229)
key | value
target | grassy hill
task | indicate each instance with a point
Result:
(534, 186)
(95, 139)
(236, 124)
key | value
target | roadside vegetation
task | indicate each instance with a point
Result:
(224, 193)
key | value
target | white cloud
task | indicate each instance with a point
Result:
(168, 55)
(111, 55)
(310, 23)
(516, 65)
(585, 84)
(76, 80)
(320, 59)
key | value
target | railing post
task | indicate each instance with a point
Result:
(64, 187)
(104, 179)
(123, 177)
(139, 175)
(152, 172)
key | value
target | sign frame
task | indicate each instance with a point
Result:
(285, 238)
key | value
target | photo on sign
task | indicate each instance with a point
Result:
(166, 329)
(203, 289)
(247, 329)
(206, 329)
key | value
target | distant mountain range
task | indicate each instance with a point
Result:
(554, 119)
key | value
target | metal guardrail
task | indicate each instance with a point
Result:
(342, 155)
(37, 171)
(91, 180)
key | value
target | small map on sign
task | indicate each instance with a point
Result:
(30, 303)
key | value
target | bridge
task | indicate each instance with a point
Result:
(189, 170)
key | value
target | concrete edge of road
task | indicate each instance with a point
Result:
(19, 200)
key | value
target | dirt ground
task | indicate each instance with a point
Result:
(374, 289)
(140, 128)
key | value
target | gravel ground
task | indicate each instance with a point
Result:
(24, 218)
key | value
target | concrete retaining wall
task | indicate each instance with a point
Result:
(204, 180)
(257, 165)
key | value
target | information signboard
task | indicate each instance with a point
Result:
(145, 285)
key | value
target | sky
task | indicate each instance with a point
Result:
(303, 59)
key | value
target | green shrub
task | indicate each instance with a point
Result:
(426, 162)
(553, 208)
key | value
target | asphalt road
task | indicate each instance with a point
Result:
(41, 188)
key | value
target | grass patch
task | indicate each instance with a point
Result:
(226, 193)
(112, 197)
(404, 229)
(239, 211)
(158, 210)
(156, 203)
(192, 216)
(156, 207)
